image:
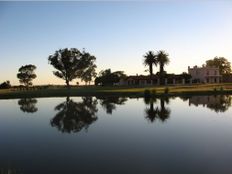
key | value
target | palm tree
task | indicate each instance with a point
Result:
(150, 60)
(162, 60)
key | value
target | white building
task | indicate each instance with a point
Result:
(205, 74)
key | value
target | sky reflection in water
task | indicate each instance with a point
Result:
(116, 135)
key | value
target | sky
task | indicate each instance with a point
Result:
(118, 34)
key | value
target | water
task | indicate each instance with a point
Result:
(116, 135)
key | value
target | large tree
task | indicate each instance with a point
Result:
(107, 77)
(162, 59)
(71, 64)
(222, 63)
(150, 60)
(26, 74)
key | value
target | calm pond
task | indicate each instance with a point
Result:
(116, 135)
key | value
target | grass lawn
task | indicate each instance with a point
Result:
(52, 91)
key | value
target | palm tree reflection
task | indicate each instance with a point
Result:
(109, 103)
(74, 116)
(159, 112)
(28, 105)
(164, 112)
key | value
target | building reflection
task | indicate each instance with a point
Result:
(109, 103)
(28, 105)
(217, 103)
(75, 116)
(159, 111)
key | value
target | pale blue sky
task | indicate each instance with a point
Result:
(117, 33)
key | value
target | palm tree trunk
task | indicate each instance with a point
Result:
(161, 74)
(151, 70)
(151, 106)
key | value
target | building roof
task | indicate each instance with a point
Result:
(142, 77)
(154, 77)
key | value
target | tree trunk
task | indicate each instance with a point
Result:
(151, 70)
(161, 74)
(151, 106)
(67, 83)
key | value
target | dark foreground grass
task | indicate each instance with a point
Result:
(52, 91)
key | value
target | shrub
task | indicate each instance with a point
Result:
(5, 85)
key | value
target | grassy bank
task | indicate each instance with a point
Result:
(52, 91)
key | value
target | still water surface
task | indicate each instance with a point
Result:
(116, 135)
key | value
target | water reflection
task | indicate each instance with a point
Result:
(74, 116)
(109, 103)
(159, 112)
(9, 171)
(28, 105)
(219, 103)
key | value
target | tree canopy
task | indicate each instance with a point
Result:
(26, 74)
(222, 63)
(71, 64)
(108, 78)
(160, 58)
(89, 73)
(150, 60)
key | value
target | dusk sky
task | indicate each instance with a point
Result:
(117, 33)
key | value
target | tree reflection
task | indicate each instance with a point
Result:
(164, 112)
(218, 103)
(109, 103)
(74, 116)
(151, 112)
(28, 105)
(159, 112)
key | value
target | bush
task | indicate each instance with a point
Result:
(166, 90)
(215, 89)
(5, 85)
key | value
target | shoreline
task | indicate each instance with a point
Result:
(124, 91)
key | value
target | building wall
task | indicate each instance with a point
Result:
(205, 74)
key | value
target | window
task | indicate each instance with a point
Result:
(215, 72)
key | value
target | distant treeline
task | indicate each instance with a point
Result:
(72, 64)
